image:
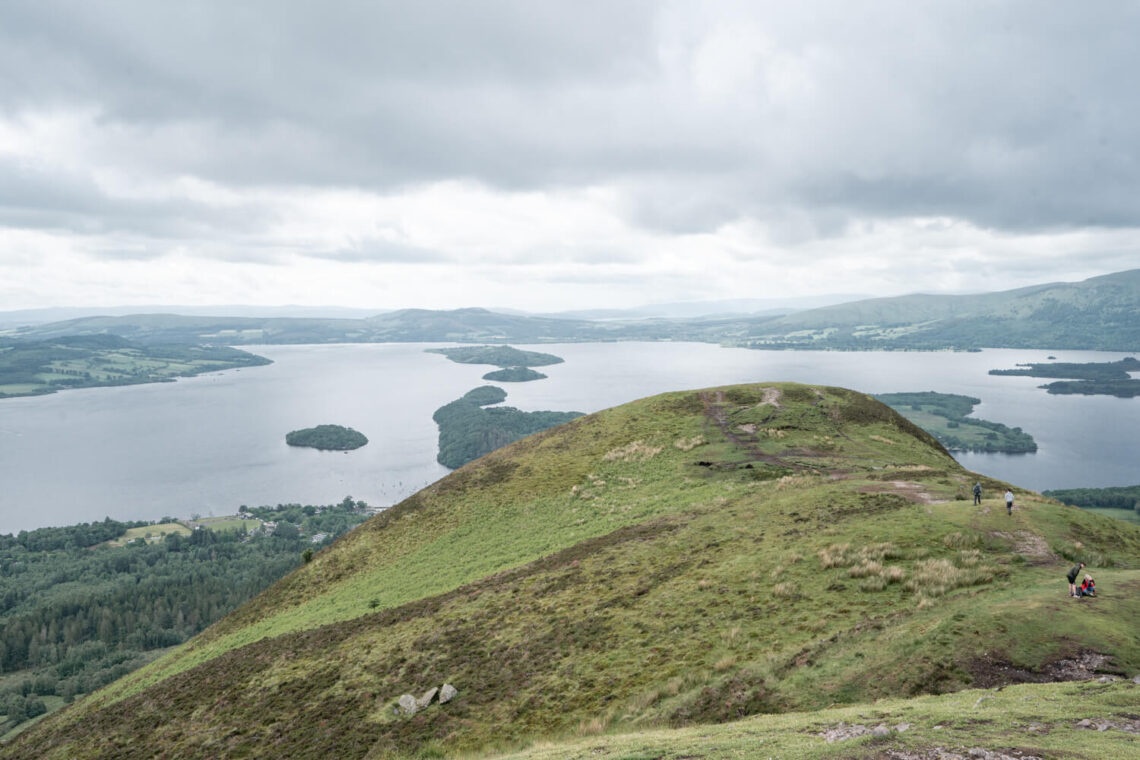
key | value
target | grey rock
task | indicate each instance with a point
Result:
(447, 693)
(426, 699)
(407, 704)
(902, 727)
(880, 730)
(1136, 679)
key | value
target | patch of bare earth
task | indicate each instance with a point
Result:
(1029, 545)
(992, 671)
(907, 489)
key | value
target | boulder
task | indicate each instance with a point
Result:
(426, 699)
(407, 704)
(447, 693)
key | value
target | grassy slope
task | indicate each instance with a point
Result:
(686, 559)
(1039, 720)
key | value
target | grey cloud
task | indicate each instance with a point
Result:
(374, 250)
(1010, 115)
(39, 198)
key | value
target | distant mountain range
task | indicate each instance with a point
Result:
(1099, 313)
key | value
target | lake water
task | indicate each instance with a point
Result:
(211, 443)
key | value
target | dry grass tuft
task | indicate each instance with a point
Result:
(637, 451)
(935, 577)
(960, 540)
(894, 574)
(785, 590)
(866, 569)
(873, 583)
(843, 555)
(688, 444)
(593, 726)
(835, 555)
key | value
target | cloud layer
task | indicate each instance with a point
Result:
(559, 155)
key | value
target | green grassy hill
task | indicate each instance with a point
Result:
(1098, 313)
(689, 559)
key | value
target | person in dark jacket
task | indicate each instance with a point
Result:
(1072, 576)
(977, 493)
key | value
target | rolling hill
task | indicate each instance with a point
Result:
(764, 552)
(1098, 313)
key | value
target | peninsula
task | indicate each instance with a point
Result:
(944, 416)
(1087, 378)
(467, 430)
(31, 368)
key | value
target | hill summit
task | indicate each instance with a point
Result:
(687, 559)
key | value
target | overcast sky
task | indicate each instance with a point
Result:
(558, 155)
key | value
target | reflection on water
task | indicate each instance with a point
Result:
(212, 443)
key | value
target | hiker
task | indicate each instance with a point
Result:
(1072, 576)
(1009, 502)
(977, 493)
(1088, 588)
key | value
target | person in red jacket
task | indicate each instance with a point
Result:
(1088, 588)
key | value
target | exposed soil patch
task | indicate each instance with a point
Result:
(771, 397)
(1029, 545)
(909, 490)
(989, 672)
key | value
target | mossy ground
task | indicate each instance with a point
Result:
(689, 559)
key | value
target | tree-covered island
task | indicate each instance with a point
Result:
(1087, 378)
(467, 430)
(943, 415)
(514, 375)
(327, 438)
(499, 356)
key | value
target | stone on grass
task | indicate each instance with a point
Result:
(426, 699)
(447, 693)
(408, 704)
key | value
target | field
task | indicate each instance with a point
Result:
(226, 523)
(151, 533)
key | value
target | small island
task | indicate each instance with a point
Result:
(327, 438)
(943, 415)
(467, 430)
(499, 356)
(514, 375)
(1087, 379)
